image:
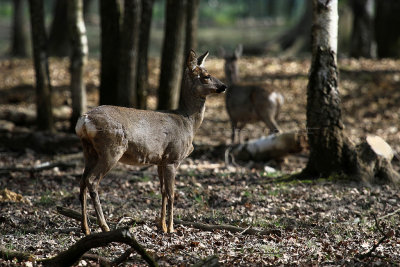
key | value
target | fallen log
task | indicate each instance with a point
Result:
(272, 147)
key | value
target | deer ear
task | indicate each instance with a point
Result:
(191, 62)
(202, 58)
(239, 51)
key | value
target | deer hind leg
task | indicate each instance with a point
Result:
(169, 173)
(162, 223)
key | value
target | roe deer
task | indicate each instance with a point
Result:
(112, 134)
(248, 103)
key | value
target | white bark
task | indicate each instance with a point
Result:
(327, 36)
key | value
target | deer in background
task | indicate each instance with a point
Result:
(111, 134)
(249, 103)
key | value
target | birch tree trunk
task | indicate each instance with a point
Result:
(79, 46)
(142, 70)
(172, 54)
(43, 87)
(324, 120)
(128, 57)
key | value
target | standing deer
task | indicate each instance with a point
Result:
(248, 103)
(112, 134)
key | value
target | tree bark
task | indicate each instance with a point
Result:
(43, 86)
(192, 20)
(172, 54)
(110, 43)
(142, 70)
(59, 39)
(129, 54)
(19, 45)
(362, 39)
(324, 122)
(79, 45)
(387, 30)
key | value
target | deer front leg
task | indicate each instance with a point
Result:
(162, 223)
(169, 180)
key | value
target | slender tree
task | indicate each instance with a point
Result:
(79, 46)
(172, 54)
(387, 30)
(19, 44)
(128, 57)
(192, 25)
(43, 86)
(142, 70)
(110, 43)
(362, 39)
(59, 39)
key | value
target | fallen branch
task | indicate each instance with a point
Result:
(389, 214)
(38, 168)
(76, 251)
(211, 261)
(202, 226)
(230, 228)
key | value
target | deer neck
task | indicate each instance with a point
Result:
(191, 106)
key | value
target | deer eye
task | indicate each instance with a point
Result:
(207, 77)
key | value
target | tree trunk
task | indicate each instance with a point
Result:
(110, 43)
(387, 30)
(362, 39)
(43, 87)
(128, 57)
(324, 122)
(296, 39)
(79, 45)
(59, 40)
(19, 45)
(192, 20)
(142, 70)
(172, 54)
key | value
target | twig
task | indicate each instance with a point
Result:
(230, 228)
(389, 214)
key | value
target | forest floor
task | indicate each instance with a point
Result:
(327, 222)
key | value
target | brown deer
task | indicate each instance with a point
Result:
(249, 103)
(112, 134)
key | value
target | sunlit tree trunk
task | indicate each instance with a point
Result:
(79, 46)
(129, 47)
(362, 39)
(59, 44)
(19, 45)
(43, 86)
(142, 71)
(110, 43)
(324, 122)
(172, 54)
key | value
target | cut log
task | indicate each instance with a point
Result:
(272, 147)
(373, 161)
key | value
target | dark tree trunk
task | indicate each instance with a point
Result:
(172, 54)
(362, 38)
(79, 45)
(110, 43)
(59, 44)
(19, 45)
(297, 38)
(128, 54)
(192, 20)
(43, 86)
(387, 30)
(324, 122)
(142, 71)
(87, 4)
(272, 7)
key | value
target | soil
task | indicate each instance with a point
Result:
(329, 221)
